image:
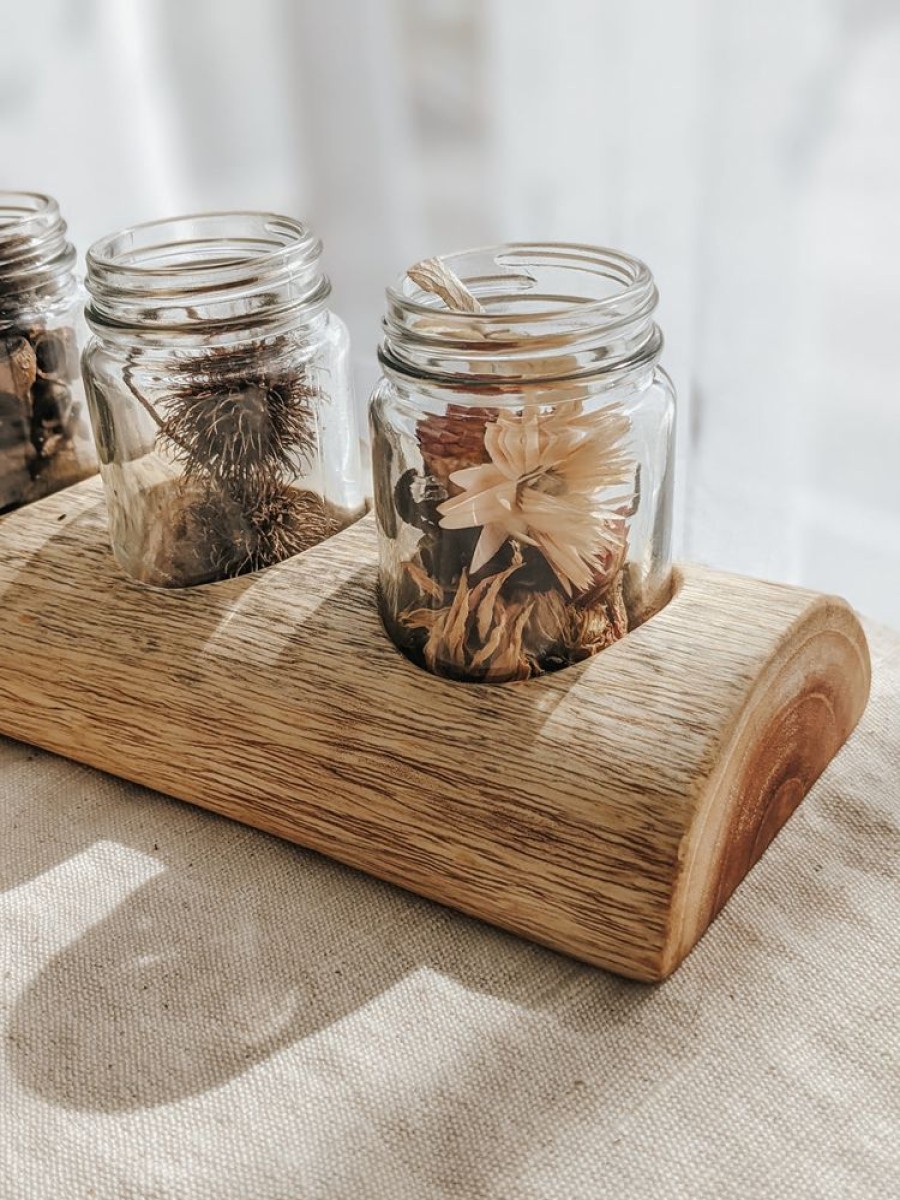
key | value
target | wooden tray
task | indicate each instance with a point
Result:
(607, 811)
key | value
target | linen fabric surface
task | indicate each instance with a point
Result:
(195, 1011)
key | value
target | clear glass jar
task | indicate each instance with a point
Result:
(45, 440)
(219, 391)
(522, 462)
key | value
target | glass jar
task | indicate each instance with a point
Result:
(522, 462)
(45, 441)
(219, 391)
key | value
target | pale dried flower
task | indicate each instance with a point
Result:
(548, 484)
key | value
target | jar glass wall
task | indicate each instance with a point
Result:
(45, 441)
(522, 462)
(220, 396)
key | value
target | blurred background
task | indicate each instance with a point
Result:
(749, 152)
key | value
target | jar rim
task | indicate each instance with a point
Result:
(25, 214)
(202, 269)
(637, 289)
(552, 311)
(36, 258)
(121, 252)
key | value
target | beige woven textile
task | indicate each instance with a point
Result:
(194, 1011)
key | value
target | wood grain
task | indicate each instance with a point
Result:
(607, 811)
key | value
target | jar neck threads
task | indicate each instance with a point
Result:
(552, 313)
(36, 260)
(229, 273)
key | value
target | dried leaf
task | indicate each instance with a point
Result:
(486, 607)
(423, 581)
(510, 661)
(422, 618)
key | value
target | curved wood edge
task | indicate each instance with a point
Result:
(802, 708)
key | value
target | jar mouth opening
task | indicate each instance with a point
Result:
(205, 269)
(211, 246)
(552, 311)
(26, 214)
(33, 245)
(537, 282)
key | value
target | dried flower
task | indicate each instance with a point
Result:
(547, 484)
(465, 635)
(480, 632)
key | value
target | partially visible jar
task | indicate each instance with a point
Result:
(219, 390)
(522, 461)
(45, 441)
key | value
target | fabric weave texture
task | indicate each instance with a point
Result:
(195, 1011)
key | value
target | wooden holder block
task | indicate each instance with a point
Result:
(608, 810)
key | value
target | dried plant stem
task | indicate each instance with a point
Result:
(435, 276)
(145, 403)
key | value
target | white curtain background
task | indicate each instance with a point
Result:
(749, 152)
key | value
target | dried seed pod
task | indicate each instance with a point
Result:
(56, 351)
(246, 533)
(51, 413)
(535, 574)
(13, 420)
(51, 402)
(18, 367)
(416, 498)
(453, 441)
(237, 430)
(15, 449)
